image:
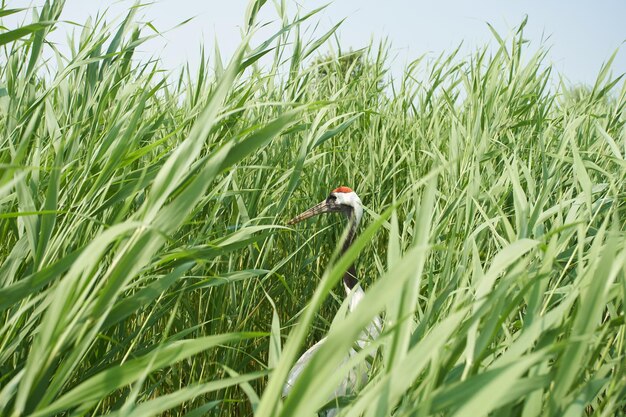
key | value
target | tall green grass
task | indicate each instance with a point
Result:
(145, 268)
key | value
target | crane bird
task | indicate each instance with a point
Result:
(340, 200)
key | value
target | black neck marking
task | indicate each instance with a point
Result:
(349, 277)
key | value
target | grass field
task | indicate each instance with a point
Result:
(146, 269)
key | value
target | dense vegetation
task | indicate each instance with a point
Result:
(145, 267)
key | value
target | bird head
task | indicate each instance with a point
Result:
(340, 200)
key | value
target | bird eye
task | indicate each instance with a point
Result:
(331, 197)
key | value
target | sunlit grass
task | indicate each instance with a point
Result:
(145, 267)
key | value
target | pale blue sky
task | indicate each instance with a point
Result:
(582, 34)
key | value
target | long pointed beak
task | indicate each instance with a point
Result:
(320, 208)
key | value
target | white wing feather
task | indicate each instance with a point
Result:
(357, 377)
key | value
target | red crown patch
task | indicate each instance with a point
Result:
(342, 189)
